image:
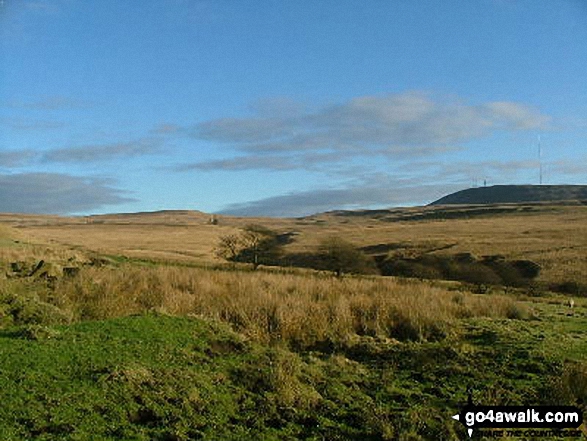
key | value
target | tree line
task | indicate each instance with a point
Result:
(258, 245)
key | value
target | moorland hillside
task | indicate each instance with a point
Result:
(515, 194)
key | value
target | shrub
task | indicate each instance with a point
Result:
(478, 274)
(255, 244)
(339, 256)
(509, 274)
(27, 308)
(569, 386)
(491, 270)
(570, 287)
(412, 268)
(527, 268)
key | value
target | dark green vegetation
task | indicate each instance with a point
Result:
(339, 256)
(155, 377)
(259, 245)
(333, 254)
(500, 194)
(489, 270)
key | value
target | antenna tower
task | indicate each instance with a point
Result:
(540, 158)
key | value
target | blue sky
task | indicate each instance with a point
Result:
(284, 108)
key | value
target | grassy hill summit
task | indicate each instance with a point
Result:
(499, 194)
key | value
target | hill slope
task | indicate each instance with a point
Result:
(498, 194)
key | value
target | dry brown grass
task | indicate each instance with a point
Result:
(555, 237)
(15, 248)
(178, 243)
(302, 310)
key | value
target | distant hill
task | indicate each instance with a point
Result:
(499, 194)
(170, 217)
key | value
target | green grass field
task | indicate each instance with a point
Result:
(149, 349)
(153, 376)
(159, 377)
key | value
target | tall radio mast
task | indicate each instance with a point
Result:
(540, 158)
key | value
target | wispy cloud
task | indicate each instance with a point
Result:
(403, 134)
(104, 152)
(492, 170)
(273, 163)
(54, 193)
(14, 158)
(383, 123)
(570, 169)
(284, 136)
(391, 193)
(28, 124)
(327, 161)
(167, 129)
(41, 6)
(420, 183)
(498, 172)
(56, 102)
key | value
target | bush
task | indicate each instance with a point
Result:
(569, 386)
(491, 270)
(527, 268)
(255, 244)
(478, 274)
(509, 274)
(410, 268)
(341, 257)
(570, 287)
(30, 310)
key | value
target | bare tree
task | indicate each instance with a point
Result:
(254, 244)
(229, 247)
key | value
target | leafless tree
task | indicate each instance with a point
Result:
(229, 247)
(255, 244)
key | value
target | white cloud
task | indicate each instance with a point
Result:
(422, 183)
(102, 152)
(54, 193)
(368, 123)
(375, 190)
(321, 200)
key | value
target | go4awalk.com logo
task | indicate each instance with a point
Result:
(519, 417)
